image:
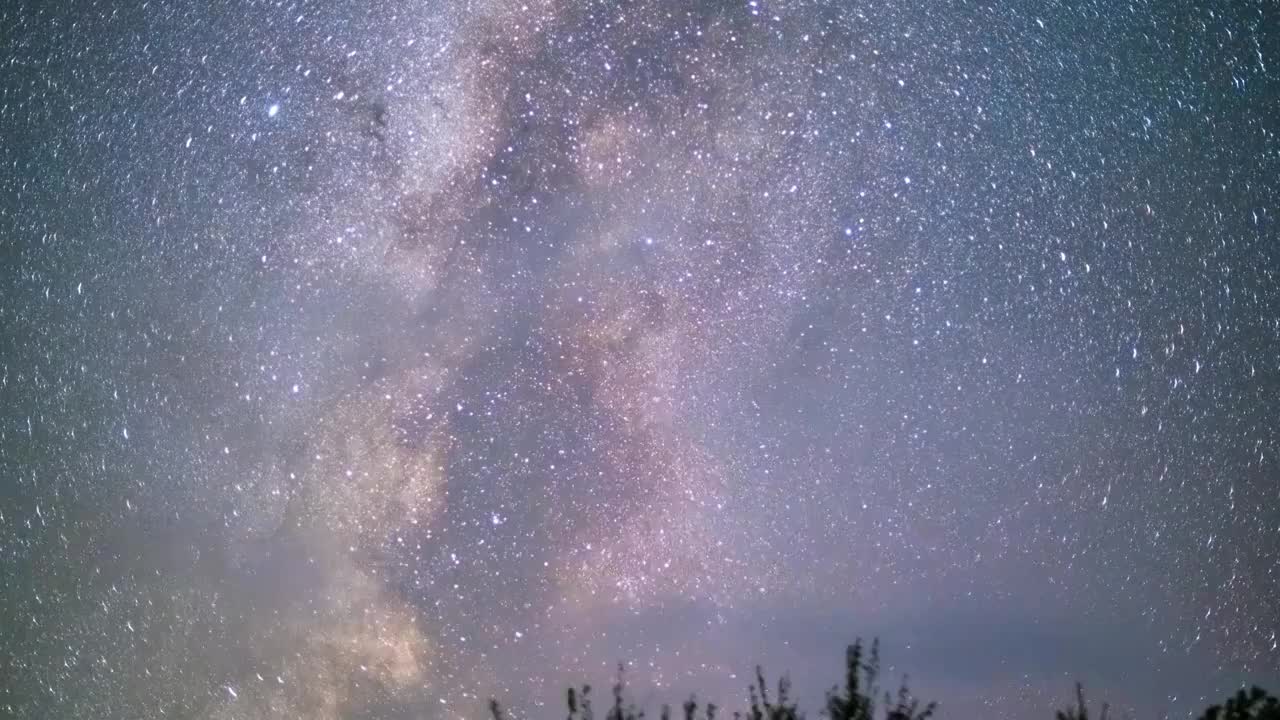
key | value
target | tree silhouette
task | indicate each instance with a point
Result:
(762, 708)
(856, 699)
(580, 704)
(1081, 710)
(621, 711)
(1256, 704)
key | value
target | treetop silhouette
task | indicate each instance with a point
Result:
(856, 699)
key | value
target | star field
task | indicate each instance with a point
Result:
(369, 362)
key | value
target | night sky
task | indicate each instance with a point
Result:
(365, 360)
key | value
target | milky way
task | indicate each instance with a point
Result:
(368, 363)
